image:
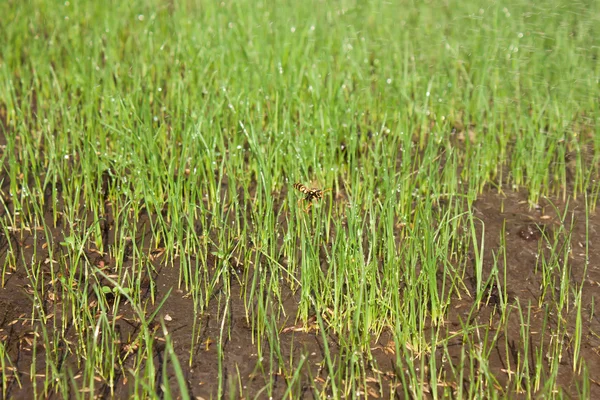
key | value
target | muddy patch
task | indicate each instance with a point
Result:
(223, 353)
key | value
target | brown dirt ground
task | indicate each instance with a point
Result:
(526, 229)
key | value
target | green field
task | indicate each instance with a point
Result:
(152, 243)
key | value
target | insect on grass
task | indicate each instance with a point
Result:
(310, 194)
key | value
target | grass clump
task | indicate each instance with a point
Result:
(149, 152)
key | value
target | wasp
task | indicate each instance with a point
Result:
(310, 194)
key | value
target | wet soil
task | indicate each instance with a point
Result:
(526, 230)
(508, 222)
